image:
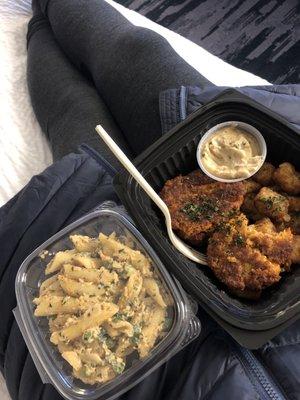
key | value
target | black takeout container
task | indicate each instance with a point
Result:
(251, 323)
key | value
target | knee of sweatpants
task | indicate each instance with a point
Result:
(36, 23)
(140, 42)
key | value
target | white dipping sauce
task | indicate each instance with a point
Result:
(231, 153)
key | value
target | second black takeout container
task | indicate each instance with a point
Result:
(251, 323)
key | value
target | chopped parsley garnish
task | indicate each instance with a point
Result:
(271, 201)
(230, 213)
(105, 338)
(239, 240)
(119, 317)
(206, 208)
(87, 336)
(135, 339)
(110, 343)
(222, 227)
(118, 367)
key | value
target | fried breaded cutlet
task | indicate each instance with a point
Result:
(197, 204)
(296, 250)
(287, 178)
(277, 246)
(249, 258)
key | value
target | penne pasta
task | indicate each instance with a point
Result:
(103, 303)
(95, 317)
(84, 244)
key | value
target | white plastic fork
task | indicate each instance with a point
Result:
(186, 250)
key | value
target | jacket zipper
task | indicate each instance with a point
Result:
(259, 377)
(182, 103)
(101, 160)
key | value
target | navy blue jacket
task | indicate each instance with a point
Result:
(213, 366)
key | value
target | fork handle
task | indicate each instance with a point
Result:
(128, 165)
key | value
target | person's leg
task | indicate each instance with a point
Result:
(65, 102)
(128, 64)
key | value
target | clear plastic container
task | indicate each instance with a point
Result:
(50, 364)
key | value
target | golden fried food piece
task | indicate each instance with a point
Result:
(294, 203)
(248, 207)
(272, 204)
(264, 225)
(287, 178)
(248, 258)
(296, 250)
(277, 246)
(265, 175)
(294, 224)
(251, 186)
(197, 208)
(190, 182)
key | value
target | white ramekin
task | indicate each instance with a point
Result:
(246, 127)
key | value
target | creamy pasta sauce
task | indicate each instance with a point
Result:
(231, 153)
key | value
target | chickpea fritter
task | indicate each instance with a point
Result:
(248, 258)
(196, 205)
(287, 178)
(251, 186)
(265, 175)
(272, 204)
(248, 207)
(294, 224)
(294, 203)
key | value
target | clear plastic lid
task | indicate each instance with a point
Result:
(53, 368)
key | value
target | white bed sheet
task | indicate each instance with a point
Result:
(24, 150)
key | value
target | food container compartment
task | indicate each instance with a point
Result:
(52, 367)
(174, 154)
